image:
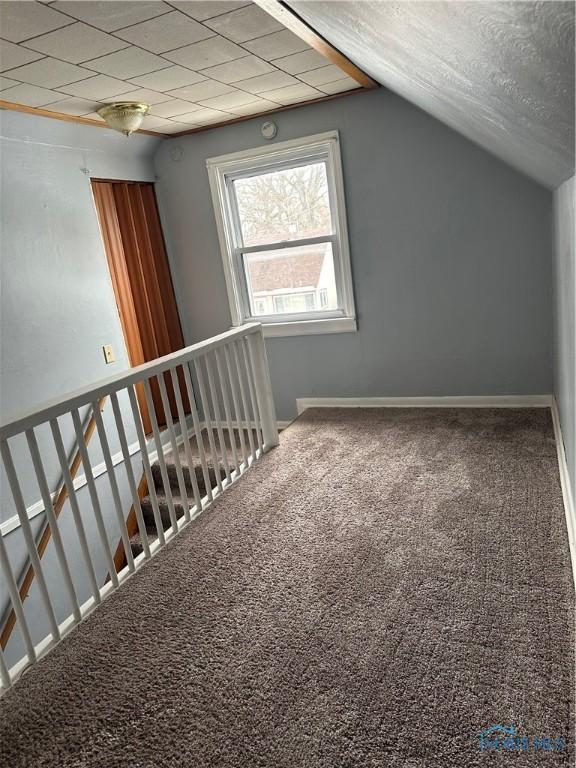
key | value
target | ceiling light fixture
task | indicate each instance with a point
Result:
(125, 116)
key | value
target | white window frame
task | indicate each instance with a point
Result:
(222, 172)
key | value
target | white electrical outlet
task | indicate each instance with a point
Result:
(108, 353)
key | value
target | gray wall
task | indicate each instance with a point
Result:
(565, 319)
(450, 250)
(58, 308)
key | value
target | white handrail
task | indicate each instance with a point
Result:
(226, 392)
(85, 395)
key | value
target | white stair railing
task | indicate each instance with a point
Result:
(224, 385)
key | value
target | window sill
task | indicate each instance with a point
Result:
(310, 327)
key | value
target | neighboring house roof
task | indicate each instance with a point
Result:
(298, 270)
(501, 73)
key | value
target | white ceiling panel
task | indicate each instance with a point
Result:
(5, 82)
(142, 94)
(253, 108)
(128, 63)
(338, 86)
(49, 73)
(207, 53)
(21, 20)
(173, 108)
(277, 44)
(244, 24)
(31, 95)
(292, 94)
(240, 69)
(12, 56)
(300, 62)
(76, 43)
(207, 9)
(169, 78)
(206, 90)
(204, 116)
(268, 82)
(109, 15)
(229, 100)
(98, 88)
(77, 107)
(322, 75)
(164, 33)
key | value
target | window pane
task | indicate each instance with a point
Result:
(291, 280)
(284, 205)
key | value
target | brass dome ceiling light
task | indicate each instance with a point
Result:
(124, 116)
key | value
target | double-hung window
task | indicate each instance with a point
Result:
(282, 226)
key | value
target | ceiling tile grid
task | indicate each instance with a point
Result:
(196, 62)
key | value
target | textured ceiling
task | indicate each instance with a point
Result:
(198, 63)
(501, 73)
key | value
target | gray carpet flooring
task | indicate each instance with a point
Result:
(372, 594)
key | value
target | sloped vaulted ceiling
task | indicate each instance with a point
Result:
(501, 73)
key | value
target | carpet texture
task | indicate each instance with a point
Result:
(372, 594)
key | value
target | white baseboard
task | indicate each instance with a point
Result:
(569, 506)
(465, 401)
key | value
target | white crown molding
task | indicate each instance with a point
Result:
(464, 401)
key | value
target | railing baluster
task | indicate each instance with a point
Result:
(235, 403)
(253, 400)
(218, 418)
(187, 449)
(80, 530)
(160, 452)
(130, 473)
(4, 674)
(94, 497)
(146, 463)
(52, 521)
(29, 538)
(227, 413)
(197, 432)
(244, 401)
(174, 443)
(17, 606)
(111, 472)
(263, 389)
(208, 421)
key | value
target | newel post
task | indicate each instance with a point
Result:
(263, 389)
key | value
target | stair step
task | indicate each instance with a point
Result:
(148, 509)
(136, 540)
(187, 474)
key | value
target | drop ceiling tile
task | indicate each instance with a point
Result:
(301, 62)
(277, 44)
(175, 127)
(292, 94)
(254, 108)
(173, 108)
(207, 9)
(269, 82)
(94, 116)
(12, 56)
(208, 53)
(23, 20)
(338, 86)
(5, 83)
(244, 24)
(77, 107)
(142, 94)
(98, 87)
(31, 95)
(75, 43)
(205, 90)
(49, 73)
(322, 75)
(110, 15)
(127, 63)
(203, 116)
(240, 69)
(164, 33)
(229, 100)
(169, 78)
(154, 123)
